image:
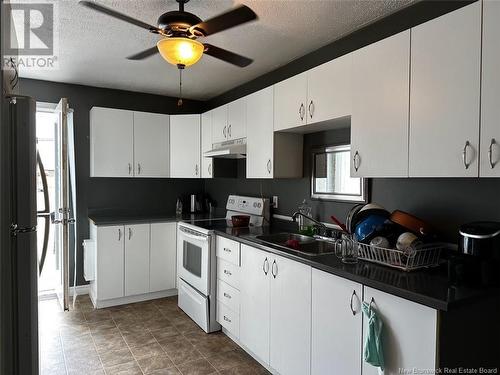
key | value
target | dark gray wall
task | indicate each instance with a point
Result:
(444, 202)
(147, 195)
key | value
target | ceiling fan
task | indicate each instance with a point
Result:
(180, 30)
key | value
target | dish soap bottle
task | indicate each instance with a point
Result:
(178, 208)
(305, 226)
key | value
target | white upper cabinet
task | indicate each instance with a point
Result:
(445, 95)
(185, 146)
(409, 339)
(290, 98)
(490, 95)
(336, 325)
(290, 333)
(380, 97)
(236, 119)
(329, 90)
(206, 144)
(111, 143)
(151, 144)
(219, 124)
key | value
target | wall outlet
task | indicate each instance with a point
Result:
(275, 201)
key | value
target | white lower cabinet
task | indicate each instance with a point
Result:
(336, 325)
(409, 335)
(163, 253)
(136, 259)
(110, 260)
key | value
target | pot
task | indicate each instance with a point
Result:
(411, 223)
(240, 220)
(480, 238)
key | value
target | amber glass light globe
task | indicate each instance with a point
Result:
(180, 51)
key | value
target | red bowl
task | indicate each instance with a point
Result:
(240, 220)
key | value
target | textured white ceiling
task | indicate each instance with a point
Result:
(93, 47)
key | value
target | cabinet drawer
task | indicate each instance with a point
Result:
(229, 273)
(229, 319)
(228, 295)
(228, 250)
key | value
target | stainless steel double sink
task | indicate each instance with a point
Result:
(298, 243)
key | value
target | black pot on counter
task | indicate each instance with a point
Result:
(479, 263)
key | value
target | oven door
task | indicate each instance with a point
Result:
(193, 254)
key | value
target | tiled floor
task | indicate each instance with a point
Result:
(153, 337)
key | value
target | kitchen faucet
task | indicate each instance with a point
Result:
(318, 223)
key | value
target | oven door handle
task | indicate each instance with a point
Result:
(193, 236)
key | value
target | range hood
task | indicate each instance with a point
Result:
(234, 149)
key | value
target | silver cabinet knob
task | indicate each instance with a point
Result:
(350, 304)
(311, 109)
(119, 234)
(490, 153)
(269, 166)
(129, 168)
(464, 155)
(210, 169)
(129, 233)
(196, 170)
(301, 111)
(356, 161)
(224, 131)
(138, 168)
(229, 131)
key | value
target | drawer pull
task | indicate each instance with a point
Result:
(227, 295)
(227, 319)
(227, 272)
(227, 250)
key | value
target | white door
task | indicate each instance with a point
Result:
(193, 258)
(290, 334)
(110, 262)
(445, 94)
(206, 144)
(409, 339)
(260, 134)
(329, 90)
(162, 262)
(290, 98)
(111, 142)
(219, 124)
(379, 122)
(151, 144)
(254, 301)
(236, 119)
(490, 92)
(336, 325)
(137, 259)
(185, 146)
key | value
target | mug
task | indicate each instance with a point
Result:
(346, 250)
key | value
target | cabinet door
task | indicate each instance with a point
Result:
(206, 144)
(260, 134)
(254, 301)
(290, 98)
(137, 259)
(409, 339)
(151, 144)
(329, 90)
(445, 93)
(219, 124)
(162, 262)
(379, 122)
(336, 325)
(185, 146)
(110, 257)
(490, 92)
(111, 143)
(236, 119)
(290, 338)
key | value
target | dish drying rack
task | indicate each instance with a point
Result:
(422, 257)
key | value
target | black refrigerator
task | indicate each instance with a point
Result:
(18, 237)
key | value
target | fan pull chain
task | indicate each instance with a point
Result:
(179, 102)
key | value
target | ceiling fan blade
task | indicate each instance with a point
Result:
(224, 21)
(144, 54)
(227, 56)
(118, 15)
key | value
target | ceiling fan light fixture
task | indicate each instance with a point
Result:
(180, 51)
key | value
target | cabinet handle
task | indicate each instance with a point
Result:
(464, 155)
(265, 266)
(129, 233)
(228, 272)
(272, 269)
(311, 109)
(196, 170)
(119, 234)
(355, 161)
(229, 131)
(129, 168)
(352, 297)
(227, 319)
(490, 153)
(227, 295)
(269, 166)
(210, 169)
(138, 168)
(301, 111)
(372, 301)
(227, 250)
(224, 131)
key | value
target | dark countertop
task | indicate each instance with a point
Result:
(428, 287)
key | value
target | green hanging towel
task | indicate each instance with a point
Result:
(373, 352)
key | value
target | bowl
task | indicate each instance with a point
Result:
(368, 227)
(240, 220)
(370, 209)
